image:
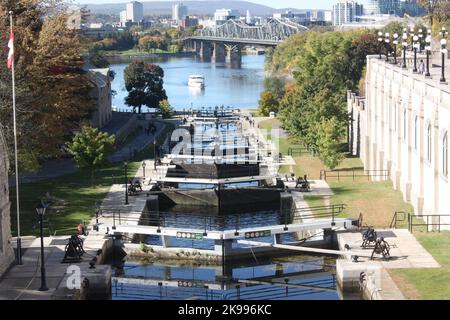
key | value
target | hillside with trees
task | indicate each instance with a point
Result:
(323, 66)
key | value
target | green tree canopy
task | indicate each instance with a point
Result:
(144, 83)
(90, 147)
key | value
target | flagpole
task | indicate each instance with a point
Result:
(19, 240)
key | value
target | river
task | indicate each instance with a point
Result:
(238, 88)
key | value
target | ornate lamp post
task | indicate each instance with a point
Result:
(428, 50)
(405, 46)
(386, 40)
(40, 209)
(444, 34)
(415, 39)
(412, 33)
(143, 168)
(125, 164)
(395, 42)
(420, 40)
(380, 41)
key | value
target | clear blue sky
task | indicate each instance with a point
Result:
(301, 4)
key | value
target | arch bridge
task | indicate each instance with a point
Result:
(227, 40)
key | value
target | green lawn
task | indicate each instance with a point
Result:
(427, 283)
(134, 52)
(75, 195)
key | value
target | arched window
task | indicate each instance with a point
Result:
(429, 143)
(445, 155)
(416, 124)
(404, 124)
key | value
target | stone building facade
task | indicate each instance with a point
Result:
(101, 93)
(402, 126)
(6, 251)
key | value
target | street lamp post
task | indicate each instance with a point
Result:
(395, 42)
(386, 40)
(405, 46)
(125, 164)
(40, 209)
(415, 39)
(428, 50)
(420, 40)
(443, 52)
(143, 168)
(412, 33)
(380, 41)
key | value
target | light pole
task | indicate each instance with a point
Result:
(420, 40)
(428, 50)
(125, 164)
(380, 40)
(395, 42)
(386, 40)
(143, 168)
(40, 209)
(415, 39)
(443, 53)
(412, 33)
(405, 46)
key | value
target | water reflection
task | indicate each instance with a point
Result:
(196, 91)
(287, 278)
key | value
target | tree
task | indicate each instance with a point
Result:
(275, 85)
(90, 148)
(267, 103)
(432, 8)
(144, 83)
(166, 109)
(328, 146)
(51, 87)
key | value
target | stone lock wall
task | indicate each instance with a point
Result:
(6, 252)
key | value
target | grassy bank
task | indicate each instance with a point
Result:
(75, 195)
(427, 283)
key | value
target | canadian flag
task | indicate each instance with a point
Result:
(11, 50)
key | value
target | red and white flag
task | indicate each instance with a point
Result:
(11, 50)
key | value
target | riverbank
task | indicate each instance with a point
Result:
(125, 57)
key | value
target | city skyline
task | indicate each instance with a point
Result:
(298, 4)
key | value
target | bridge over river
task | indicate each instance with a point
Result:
(225, 42)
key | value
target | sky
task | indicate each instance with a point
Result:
(300, 4)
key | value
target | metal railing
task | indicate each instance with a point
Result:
(222, 222)
(353, 173)
(435, 221)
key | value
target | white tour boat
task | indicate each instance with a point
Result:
(197, 81)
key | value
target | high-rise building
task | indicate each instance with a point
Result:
(346, 11)
(248, 17)
(179, 11)
(377, 7)
(135, 11)
(222, 15)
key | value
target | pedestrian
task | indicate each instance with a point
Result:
(421, 67)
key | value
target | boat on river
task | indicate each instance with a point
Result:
(196, 81)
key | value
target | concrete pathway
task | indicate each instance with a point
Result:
(406, 251)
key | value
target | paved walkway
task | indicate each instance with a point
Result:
(406, 251)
